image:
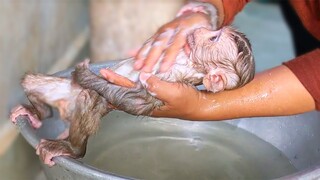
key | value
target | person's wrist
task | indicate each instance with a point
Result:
(201, 7)
(196, 106)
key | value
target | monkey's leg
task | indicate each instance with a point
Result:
(136, 101)
(44, 91)
(90, 107)
(35, 112)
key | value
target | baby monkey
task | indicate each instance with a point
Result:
(221, 60)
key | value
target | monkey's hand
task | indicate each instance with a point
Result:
(48, 149)
(169, 40)
(21, 110)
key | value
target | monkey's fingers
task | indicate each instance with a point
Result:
(45, 155)
(116, 79)
(15, 112)
(48, 149)
(22, 111)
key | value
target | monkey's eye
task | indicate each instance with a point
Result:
(213, 38)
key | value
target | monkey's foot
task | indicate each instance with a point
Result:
(84, 64)
(213, 83)
(23, 111)
(48, 149)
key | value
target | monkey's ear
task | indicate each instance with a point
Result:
(74, 79)
(214, 81)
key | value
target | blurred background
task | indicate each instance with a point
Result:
(47, 36)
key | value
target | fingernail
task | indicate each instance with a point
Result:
(104, 73)
(137, 65)
(147, 69)
(164, 68)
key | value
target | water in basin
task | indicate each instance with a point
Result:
(149, 148)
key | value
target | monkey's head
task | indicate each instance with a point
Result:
(224, 56)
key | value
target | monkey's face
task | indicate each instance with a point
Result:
(213, 52)
(210, 47)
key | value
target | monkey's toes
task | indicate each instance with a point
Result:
(213, 83)
(22, 111)
(48, 149)
(45, 155)
(84, 64)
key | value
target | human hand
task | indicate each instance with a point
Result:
(168, 41)
(180, 100)
(116, 79)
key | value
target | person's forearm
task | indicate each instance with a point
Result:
(275, 92)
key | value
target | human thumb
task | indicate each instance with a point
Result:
(163, 90)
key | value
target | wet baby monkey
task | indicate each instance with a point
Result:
(221, 60)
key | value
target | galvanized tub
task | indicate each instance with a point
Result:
(129, 147)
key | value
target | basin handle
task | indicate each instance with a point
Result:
(27, 131)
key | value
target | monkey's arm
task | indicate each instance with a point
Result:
(39, 90)
(275, 92)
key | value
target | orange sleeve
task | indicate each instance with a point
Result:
(306, 69)
(309, 14)
(231, 8)
(227, 9)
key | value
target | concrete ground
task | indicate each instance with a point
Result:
(271, 42)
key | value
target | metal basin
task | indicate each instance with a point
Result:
(130, 147)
